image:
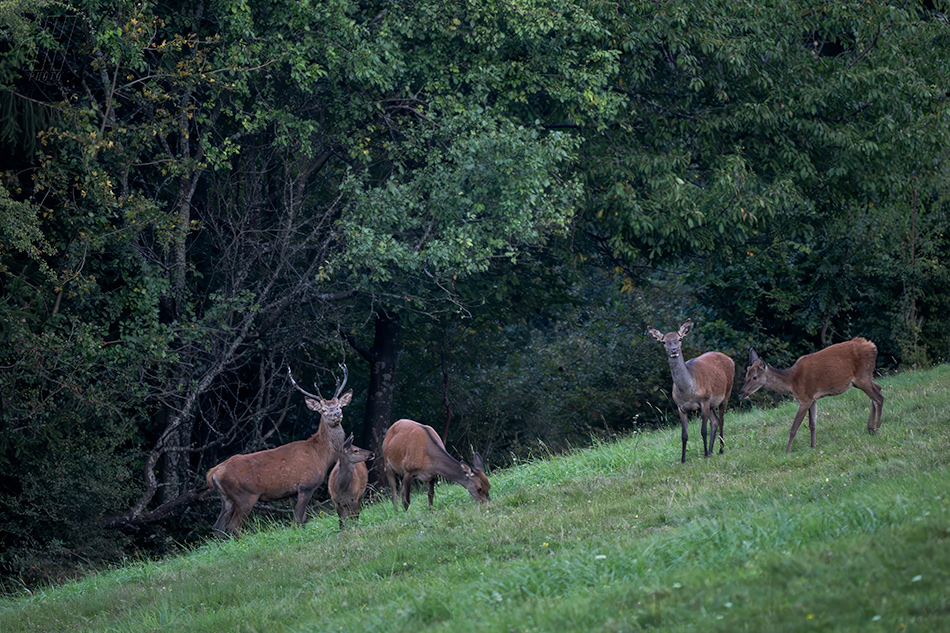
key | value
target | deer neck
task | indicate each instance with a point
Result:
(331, 437)
(444, 464)
(682, 377)
(448, 467)
(344, 474)
(779, 380)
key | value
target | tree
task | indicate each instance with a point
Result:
(767, 148)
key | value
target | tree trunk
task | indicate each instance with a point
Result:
(446, 400)
(382, 373)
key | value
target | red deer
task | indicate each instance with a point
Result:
(348, 479)
(297, 468)
(828, 372)
(702, 383)
(416, 452)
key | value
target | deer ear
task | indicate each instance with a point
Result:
(477, 463)
(346, 398)
(348, 442)
(752, 356)
(684, 329)
(314, 405)
(468, 471)
(655, 333)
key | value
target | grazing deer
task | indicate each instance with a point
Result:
(828, 372)
(416, 452)
(702, 383)
(348, 479)
(297, 468)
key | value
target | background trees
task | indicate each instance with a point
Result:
(485, 202)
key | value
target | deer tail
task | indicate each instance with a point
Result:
(212, 479)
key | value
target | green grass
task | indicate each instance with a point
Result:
(852, 535)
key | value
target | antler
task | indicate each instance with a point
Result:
(339, 385)
(300, 389)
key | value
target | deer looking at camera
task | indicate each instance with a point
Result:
(702, 383)
(416, 452)
(347, 481)
(297, 468)
(827, 372)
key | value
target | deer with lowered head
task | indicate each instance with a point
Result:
(827, 372)
(415, 452)
(702, 383)
(347, 481)
(297, 468)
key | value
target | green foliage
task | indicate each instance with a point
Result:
(67, 448)
(781, 149)
(481, 189)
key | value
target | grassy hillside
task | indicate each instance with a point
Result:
(853, 535)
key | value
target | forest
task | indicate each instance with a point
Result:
(476, 207)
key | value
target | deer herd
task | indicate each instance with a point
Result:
(415, 452)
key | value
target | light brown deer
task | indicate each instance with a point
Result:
(827, 372)
(416, 452)
(347, 481)
(703, 383)
(297, 468)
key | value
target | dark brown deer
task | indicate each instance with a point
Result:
(297, 468)
(347, 481)
(416, 452)
(828, 372)
(702, 383)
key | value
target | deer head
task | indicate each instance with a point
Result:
(672, 340)
(331, 411)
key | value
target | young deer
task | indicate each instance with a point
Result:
(702, 383)
(416, 452)
(828, 372)
(297, 468)
(347, 481)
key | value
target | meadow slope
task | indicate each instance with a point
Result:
(851, 535)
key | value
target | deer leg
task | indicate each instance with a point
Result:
(873, 392)
(406, 489)
(812, 416)
(242, 508)
(346, 514)
(431, 491)
(300, 507)
(722, 419)
(714, 426)
(704, 412)
(391, 478)
(803, 408)
(227, 511)
(880, 405)
(685, 424)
